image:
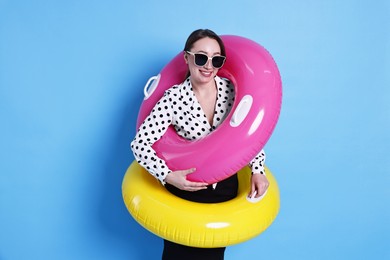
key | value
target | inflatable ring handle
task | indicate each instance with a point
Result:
(241, 111)
(148, 91)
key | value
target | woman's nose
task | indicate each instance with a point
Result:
(208, 64)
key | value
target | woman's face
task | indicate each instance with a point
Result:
(206, 73)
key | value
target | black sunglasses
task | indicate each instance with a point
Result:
(201, 59)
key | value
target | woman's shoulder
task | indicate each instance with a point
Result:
(177, 90)
(225, 85)
(224, 82)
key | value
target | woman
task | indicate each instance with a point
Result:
(195, 108)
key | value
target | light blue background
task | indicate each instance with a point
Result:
(71, 79)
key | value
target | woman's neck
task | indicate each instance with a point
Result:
(206, 95)
(204, 90)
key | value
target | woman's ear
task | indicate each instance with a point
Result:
(185, 57)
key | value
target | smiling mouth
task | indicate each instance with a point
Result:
(206, 73)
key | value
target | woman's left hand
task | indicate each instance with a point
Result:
(259, 185)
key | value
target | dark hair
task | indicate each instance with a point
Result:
(200, 34)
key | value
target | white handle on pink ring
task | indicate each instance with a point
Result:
(149, 91)
(241, 111)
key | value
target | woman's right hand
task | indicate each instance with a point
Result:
(179, 180)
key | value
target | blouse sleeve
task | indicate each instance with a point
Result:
(257, 163)
(151, 130)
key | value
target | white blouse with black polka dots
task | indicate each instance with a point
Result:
(180, 108)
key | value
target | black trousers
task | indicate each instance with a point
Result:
(224, 191)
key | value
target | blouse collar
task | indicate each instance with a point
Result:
(189, 99)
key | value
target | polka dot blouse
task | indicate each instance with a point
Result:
(180, 108)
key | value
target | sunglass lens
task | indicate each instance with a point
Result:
(218, 61)
(200, 59)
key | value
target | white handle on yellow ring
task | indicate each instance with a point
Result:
(149, 91)
(252, 199)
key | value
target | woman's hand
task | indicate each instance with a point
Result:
(179, 180)
(259, 185)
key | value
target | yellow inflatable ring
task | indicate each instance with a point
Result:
(198, 224)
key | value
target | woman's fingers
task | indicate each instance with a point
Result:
(179, 180)
(259, 185)
(186, 172)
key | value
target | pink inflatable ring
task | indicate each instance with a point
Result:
(258, 97)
